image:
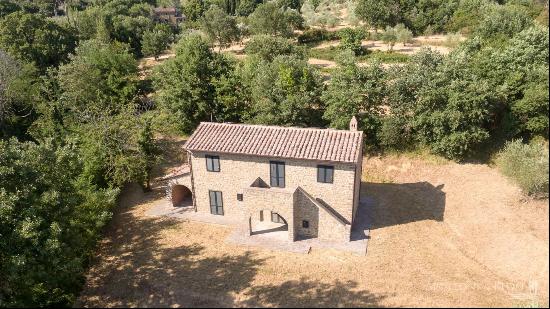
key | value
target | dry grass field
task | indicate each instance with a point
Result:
(443, 234)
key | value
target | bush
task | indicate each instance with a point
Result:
(395, 133)
(351, 39)
(527, 165)
(268, 47)
(383, 56)
(316, 36)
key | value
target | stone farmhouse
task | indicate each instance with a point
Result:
(170, 15)
(305, 181)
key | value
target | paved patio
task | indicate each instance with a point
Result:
(277, 238)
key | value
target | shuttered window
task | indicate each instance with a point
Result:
(212, 163)
(277, 174)
(216, 202)
(325, 173)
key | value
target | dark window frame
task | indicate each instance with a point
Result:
(305, 224)
(239, 197)
(322, 173)
(216, 205)
(277, 180)
(212, 167)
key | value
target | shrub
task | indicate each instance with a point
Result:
(390, 37)
(527, 165)
(395, 133)
(351, 39)
(316, 35)
(268, 47)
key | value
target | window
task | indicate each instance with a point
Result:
(239, 197)
(212, 163)
(276, 218)
(277, 173)
(305, 224)
(216, 202)
(325, 173)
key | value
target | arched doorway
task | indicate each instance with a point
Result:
(268, 222)
(181, 196)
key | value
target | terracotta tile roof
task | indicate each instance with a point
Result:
(271, 141)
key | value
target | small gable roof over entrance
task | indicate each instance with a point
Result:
(272, 141)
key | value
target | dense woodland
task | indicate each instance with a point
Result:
(78, 120)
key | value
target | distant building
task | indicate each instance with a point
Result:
(169, 15)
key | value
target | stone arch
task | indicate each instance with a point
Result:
(180, 195)
(268, 221)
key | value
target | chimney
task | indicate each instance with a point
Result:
(353, 124)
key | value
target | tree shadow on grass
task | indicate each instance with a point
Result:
(311, 293)
(139, 267)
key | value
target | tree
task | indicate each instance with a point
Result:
(402, 34)
(377, 14)
(323, 13)
(184, 84)
(503, 21)
(8, 7)
(148, 149)
(390, 37)
(99, 77)
(219, 27)
(268, 47)
(518, 73)
(454, 110)
(33, 38)
(355, 91)
(246, 7)
(124, 21)
(232, 100)
(193, 9)
(49, 223)
(156, 41)
(467, 15)
(114, 149)
(291, 4)
(269, 18)
(129, 25)
(18, 91)
(352, 39)
(403, 91)
(284, 92)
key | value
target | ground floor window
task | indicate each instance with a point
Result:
(305, 224)
(216, 202)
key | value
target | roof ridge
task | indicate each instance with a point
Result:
(278, 127)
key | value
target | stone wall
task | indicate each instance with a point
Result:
(276, 200)
(306, 210)
(238, 172)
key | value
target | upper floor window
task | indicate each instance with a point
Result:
(277, 174)
(212, 163)
(325, 173)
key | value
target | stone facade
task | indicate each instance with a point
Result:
(328, 208)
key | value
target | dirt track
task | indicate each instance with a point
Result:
(443, 234)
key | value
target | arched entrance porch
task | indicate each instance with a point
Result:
(269, 223)
(181, 196)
